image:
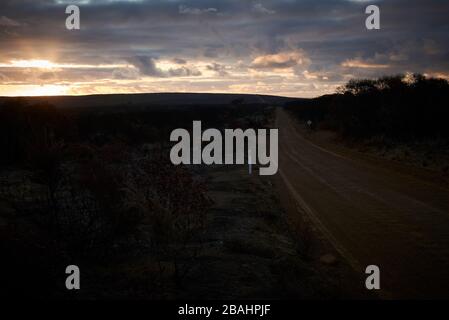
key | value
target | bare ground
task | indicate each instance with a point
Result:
(253, 250)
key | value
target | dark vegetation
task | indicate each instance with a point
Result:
(385, 112)
(95, 186)
(403, 108)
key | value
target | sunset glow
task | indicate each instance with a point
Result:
(42, 64)
(263, 47)
(33, 90)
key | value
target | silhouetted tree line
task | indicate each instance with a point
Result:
(402, 108)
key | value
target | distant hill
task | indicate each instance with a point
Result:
(154, 99)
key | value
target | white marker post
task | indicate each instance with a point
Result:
(249, 162)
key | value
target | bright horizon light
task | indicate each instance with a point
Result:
(34, 90)
(46, 64)
(34, 63)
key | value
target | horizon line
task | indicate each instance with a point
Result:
(150, 93)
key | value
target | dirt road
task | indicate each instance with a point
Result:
(371, 214)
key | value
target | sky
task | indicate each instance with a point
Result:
(297, 48)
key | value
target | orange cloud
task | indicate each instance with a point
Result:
(358, 63)
(280, 60)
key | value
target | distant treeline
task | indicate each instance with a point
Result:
(25, 127)
(402, 108)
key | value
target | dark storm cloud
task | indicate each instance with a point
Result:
(219, 69)
(257, 35)
(183, 72)
(146, 66)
